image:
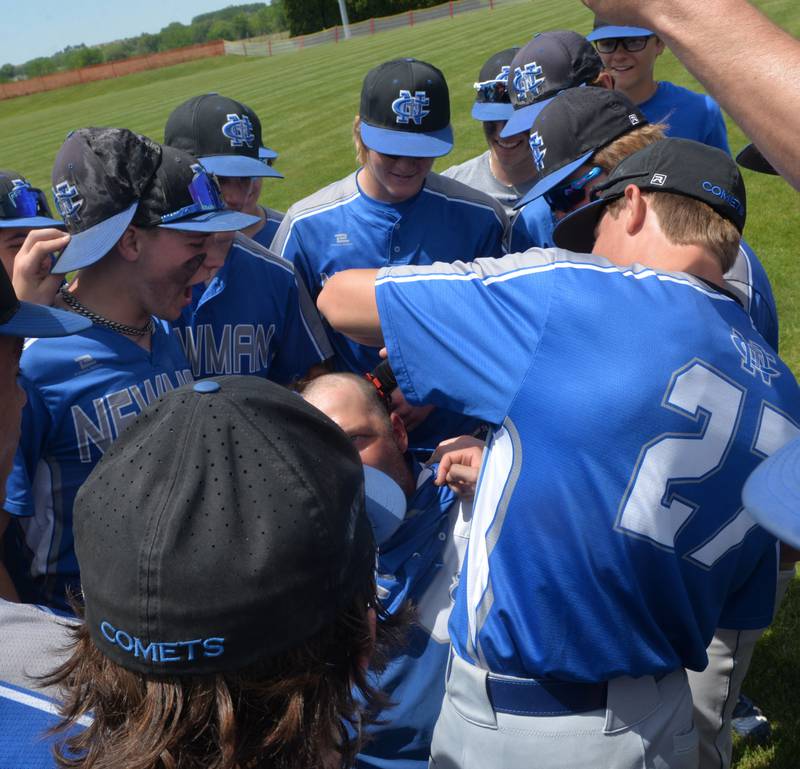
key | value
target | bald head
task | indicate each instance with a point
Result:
(355, 405)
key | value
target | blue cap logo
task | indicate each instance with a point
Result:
(527, 81)
(724, 195)
(68, 201)
(538, 149)
(239, 130)
(502, 75)
(408, 107)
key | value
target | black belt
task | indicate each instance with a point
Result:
(543, 697)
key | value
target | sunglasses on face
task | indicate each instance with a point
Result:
(493, 91)
(23, 202)
(565, 197)
(205, 195)
(630, 44)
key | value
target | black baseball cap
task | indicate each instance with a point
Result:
(22, 205)
(680, 166)
(225, 525)
(752, 159)
(604, 30)
(223, 133)
(574, 126)
(25, 319)
(492, 101)
(104, 179)
(405, 110)
(551, 62)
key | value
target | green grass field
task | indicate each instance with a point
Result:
(307, 101)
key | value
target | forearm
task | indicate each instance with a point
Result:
(347, 301)
(747, 63)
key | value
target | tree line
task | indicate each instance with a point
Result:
(307, 16)
(232, 23)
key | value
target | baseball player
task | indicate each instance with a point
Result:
(548, 64)
(629, 54)
(138, 241)
(419, 562)
(254, 316)
(505, 171)
(608, 539)
(587, 132)
(31, 637)
(393, 210)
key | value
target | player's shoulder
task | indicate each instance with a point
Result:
(272, 215)
(458, 193)
(332, 196)
(677, 94)
(466, 170)
(245, 254)
(44, 361)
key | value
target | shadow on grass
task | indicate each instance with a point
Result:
(773, 682)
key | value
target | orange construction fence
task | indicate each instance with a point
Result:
(111, 69)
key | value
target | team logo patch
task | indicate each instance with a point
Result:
(502, 75)
(17, 185)
(68, 201)
(408, 107)
(239, 130)
(756, 360)
(724, 195)
(659, 179)
(538, 149)
(527, 81)
(341, 239)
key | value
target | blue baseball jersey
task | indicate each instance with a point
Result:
(748, 280)
(254, 317)
(82, 392)
(608, 536)
(26, 716)
(420, 563)
(532, 227)
(688, 115)
(272, 220)
(339, 228)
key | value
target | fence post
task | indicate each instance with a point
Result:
(336, 34)
(411, 18)
(269, 46)
(372, 26)
(451, 8)
(491, 5)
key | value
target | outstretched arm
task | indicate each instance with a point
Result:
(347, 301)
(747, 63)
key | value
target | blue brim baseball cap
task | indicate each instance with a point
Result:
(36, 321)
(433, 144)
(613, 32)
(31, 222)
(772, 494)
(484, 111)
(238, 165)
(546, 183)
(265, 153)
(213, 221)
(523, 118)
(385, 503)
(91, 245)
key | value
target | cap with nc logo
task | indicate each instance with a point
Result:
(405, 110)
(492, 101)
(681, 166)
(223, 133)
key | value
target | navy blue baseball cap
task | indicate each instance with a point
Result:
(105, 179)
(604, 30)
(234, 515)
(771, 494)
(22, 205)
(574, 126)
(25, 319)
(492, 101)
(752, 159)
(223, 133)
(405, 110)
(681, 166)
(551, 62)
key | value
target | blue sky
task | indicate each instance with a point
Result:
(42, 27)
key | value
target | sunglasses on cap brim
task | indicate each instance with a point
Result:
(206, 197)
(23, 202)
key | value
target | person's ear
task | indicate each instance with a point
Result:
(399, 432)
(129, 246)
(635, 209)
(604, 80)
(659, 44)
